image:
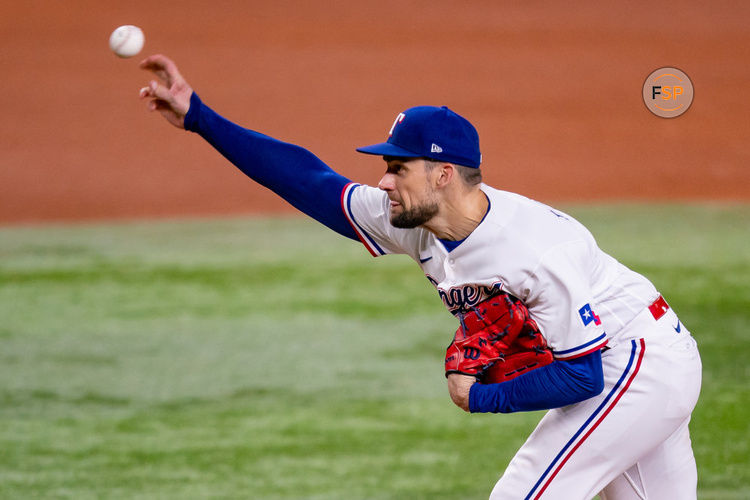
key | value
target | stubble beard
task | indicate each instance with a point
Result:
(415, 216)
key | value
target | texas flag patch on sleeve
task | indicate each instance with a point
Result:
(588, 315)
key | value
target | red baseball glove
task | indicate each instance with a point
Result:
(497, 341)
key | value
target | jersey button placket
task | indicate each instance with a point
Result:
(448, 268)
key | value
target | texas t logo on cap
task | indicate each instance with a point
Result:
(398, 120)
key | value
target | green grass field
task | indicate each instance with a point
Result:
(271, 359)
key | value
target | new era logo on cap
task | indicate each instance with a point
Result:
(431, 132)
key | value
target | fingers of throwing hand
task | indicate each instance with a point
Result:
(159, 91)
(156, 62)
(159, 95)
(171, 96)
(162, 67)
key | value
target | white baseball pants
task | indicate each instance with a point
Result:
(629, 442)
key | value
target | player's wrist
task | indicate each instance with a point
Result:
(473, 392)
(191, 118)
(488, 398)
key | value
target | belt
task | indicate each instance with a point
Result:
(658, 308)
(642, 322)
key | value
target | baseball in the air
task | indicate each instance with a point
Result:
(126, 41)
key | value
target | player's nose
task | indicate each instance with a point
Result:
(387, 182)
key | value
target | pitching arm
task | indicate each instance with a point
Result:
(288, 170)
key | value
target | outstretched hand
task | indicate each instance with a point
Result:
(171, 96)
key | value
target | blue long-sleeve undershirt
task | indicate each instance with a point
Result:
(558, 384)
(290, 171)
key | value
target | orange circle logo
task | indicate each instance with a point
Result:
(668, 92)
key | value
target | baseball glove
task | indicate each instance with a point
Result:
(497, 341)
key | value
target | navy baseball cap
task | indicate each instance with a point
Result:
(431, 132)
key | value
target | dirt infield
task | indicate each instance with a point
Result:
(555, 92)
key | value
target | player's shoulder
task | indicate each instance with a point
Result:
(354, 190)
(367, 209)
(533, 232)
(512, 203)
(531, 217)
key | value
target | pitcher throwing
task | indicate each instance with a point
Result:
(621, 374)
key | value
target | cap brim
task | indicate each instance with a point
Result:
(388, 149)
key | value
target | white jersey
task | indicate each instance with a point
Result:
(580, 296)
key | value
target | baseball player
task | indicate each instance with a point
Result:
(625, 372)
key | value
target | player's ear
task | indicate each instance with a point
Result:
(444, 174)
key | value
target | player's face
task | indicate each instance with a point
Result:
(413, 201)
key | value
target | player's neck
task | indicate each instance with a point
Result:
(459, 215)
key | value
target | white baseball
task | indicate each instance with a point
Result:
(126, 41)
